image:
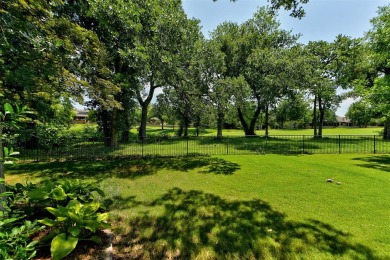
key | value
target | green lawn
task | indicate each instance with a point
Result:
(156, 130)
(237, 132)
(253, 206)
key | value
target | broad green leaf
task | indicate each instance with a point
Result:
(6, 151)
(14, 153)
(64, 211)
(59, 193)
(38, 194)
(102, 217)
(53, 211)
(33, 243)
(47, 222)
(6, 194)
(74, 216)
(90, 208)
(62, 219)
(8, 108)
(91, 225)
(62, 245)
(74, 205)
(75, 231)
(8, 162)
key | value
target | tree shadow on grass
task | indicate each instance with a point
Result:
(381, 162)
(201, 225)
(129, 168)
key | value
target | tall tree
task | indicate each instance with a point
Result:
(218, 90)
(256, 50)
(360, 113)
(379, 44)
(333, 65)
(163, 110)
(166, 37)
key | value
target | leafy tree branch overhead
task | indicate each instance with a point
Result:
(295, 6)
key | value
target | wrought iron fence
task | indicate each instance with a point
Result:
(79, 148)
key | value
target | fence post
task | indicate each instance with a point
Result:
(374, 144)
(303, 143)
(339, 144)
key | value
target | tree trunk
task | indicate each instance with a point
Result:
(144, 109)
(220, 124)
(249, 130)
(322, 115)
(162, 124)
(266, 120)
(186, 125)
(282, 124)
(126, 129)
(386, 131)
(315, 116)
(180, 130)
(254, 119)
(109, 130)
(144, 119)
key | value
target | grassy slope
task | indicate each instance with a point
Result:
(266, 206)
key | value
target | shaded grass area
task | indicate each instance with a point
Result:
(257, 206)
(129, 168)
(201, 225)
(381, 163)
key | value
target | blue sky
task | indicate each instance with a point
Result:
(324, 19)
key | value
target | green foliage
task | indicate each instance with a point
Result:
(77, 213)
(77, 216)
(72, 223)
(61, 193)
(360, 113)
(15, 229)
(8, 155)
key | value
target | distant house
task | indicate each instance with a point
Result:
(343, 121)
(80, 117)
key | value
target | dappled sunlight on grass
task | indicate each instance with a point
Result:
(129, 168)
(195, 224)
(381, 162)
(241, 207)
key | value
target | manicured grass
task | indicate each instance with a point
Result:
(156, 130)
(254, 206)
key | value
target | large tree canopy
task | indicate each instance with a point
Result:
(47, 58)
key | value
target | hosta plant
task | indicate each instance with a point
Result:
(15, 230)
(62, 192)
(71, 224)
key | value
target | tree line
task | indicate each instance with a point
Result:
(112, 56)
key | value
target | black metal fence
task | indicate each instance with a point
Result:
(79, 148)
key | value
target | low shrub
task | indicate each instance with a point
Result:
(68, 209)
